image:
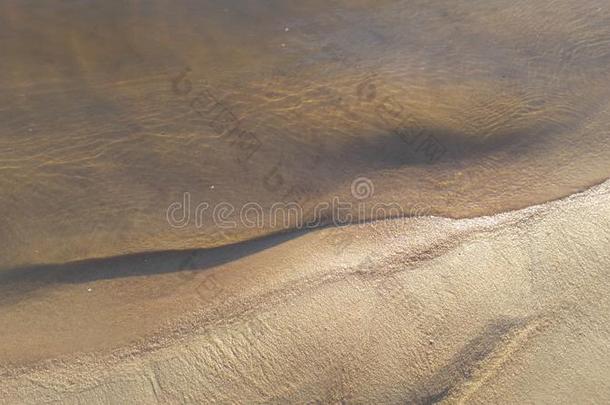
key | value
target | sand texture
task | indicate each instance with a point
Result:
(481, 127)
(511, 308)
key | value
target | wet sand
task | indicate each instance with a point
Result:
(508, 308)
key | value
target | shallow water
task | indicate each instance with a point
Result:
(111, 112)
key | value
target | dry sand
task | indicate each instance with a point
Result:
(511, 308)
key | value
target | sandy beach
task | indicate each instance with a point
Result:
(322, 202)
(507, 308)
